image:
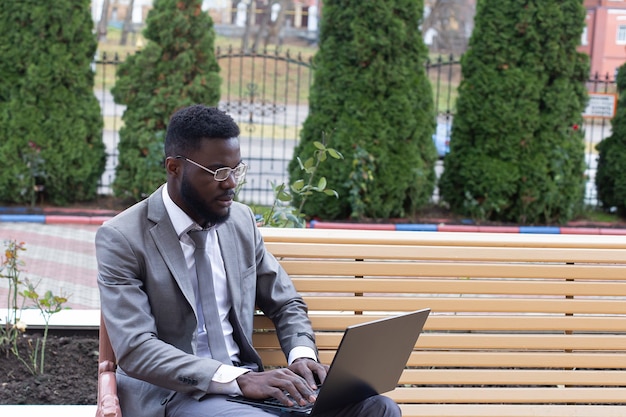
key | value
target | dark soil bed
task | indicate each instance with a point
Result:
(71, 372)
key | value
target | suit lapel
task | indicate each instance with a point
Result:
(167, 244)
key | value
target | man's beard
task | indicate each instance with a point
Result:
(193, 201)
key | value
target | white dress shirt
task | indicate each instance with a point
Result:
(224, 379)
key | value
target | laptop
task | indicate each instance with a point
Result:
(369, 361)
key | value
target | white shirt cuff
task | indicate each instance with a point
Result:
(301, 352)
(224, 380)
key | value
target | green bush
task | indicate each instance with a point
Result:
(611, 173)
(372, 102)
(516, 151)
(50, 122)
(177, 68)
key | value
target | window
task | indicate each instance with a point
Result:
(583, 38)
(621, 35)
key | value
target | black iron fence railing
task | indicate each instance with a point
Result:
(267, 94)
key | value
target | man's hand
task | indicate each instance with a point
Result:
(277, 383)
(312, 371)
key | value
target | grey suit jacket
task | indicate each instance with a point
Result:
(148, 303)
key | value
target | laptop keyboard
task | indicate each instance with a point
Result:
(296, 407)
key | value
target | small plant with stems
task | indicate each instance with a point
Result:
(48, 304)
(283, 213)
(14, 327)
(10, 270)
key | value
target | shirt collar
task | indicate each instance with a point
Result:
(180, 220)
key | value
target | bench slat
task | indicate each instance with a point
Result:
(338, 284)
(443, 239)
(530, 359)
(472, 322)
(459, 253)
(482, 341)
(334, 268)
(513, 377)
(507, 410)
(486, 359)
(464, 304)
(509, 395)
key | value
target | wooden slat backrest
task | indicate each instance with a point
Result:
(530, 319)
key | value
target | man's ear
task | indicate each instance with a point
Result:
(173, 166)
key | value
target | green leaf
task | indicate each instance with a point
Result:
(321, 184)
(334, 153)
(298, 185)
(319, 145)
(283, 196)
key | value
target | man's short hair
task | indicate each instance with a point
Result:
(189, 125)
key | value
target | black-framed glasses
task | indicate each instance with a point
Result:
(222, 174)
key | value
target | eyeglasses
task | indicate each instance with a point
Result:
(222, 174)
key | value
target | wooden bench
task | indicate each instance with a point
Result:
(521, 325)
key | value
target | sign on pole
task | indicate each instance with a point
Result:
(601, 105)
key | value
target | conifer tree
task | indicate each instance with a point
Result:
(516, 151)
(50, 123)
(611, 172)
(176, 68)
(371, 101)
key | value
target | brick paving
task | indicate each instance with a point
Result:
(59, 257)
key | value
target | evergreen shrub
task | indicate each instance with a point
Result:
(177, 68)
(372, 102)
(50, 122)
(517, 149)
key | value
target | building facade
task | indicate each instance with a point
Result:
(604, 36)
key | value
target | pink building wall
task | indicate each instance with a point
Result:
(605, 37)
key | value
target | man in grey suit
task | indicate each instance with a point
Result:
(173, 358)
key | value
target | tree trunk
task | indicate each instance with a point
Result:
(249, 23)
(128, 23)
(277, 25)
(267, 18)
(104, 21)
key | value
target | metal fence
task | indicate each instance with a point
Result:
(267, 95)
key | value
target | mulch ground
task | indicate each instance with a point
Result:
(70, 377)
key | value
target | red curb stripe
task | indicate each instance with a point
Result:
(580, 231)
(98, 220)
(605, 231)
(456, 228)
(498, 229)
(86, 220)
(63, 219)
(76, 211)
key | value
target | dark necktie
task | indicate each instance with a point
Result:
(208, 302)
